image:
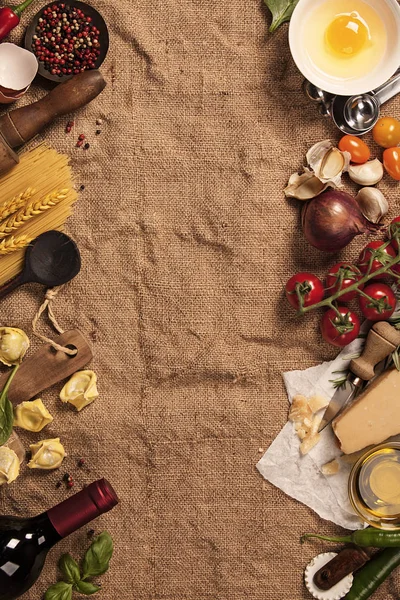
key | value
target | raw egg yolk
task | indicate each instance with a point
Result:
(347, 34)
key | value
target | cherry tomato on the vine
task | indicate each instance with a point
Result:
(381, 255)
(357, 148)
(381, 302)
(391, 162)
(340, 330)
(394, 228)
(386, 132)
(308, 286)
(341, 276)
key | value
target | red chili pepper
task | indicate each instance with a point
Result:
(10, 17)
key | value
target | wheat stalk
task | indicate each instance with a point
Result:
(30, 210)
(11, 206)
(12, 243)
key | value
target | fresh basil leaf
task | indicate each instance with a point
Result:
(69, 568)
(97, 558)
(87, 588)
(6, 410)
(281, 11)
(59, 591)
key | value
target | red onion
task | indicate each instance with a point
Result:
(331, 220)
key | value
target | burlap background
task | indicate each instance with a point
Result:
(186, 241)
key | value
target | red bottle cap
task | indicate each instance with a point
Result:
(72, 514)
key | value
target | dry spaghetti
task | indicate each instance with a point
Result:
(45, 170)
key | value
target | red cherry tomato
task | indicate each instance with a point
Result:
(341, 276)
(391, 162)
(394, 228)
(382, 304)
(358, 149)
(340, 331)
(386, 132)
(308, 286)
(381, 256)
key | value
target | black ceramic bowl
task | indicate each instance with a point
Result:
(97, 21)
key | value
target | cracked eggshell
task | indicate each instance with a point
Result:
(18, 68)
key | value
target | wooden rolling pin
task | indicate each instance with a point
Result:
(20, 125)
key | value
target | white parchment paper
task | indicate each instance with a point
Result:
(300, 476)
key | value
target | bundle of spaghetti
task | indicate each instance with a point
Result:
(41, 173)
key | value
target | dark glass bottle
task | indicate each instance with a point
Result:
(24, 543)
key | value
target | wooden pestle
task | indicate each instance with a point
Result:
(20, 125)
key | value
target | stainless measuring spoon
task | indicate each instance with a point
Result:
(356, 115)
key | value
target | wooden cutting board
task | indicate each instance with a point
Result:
(48, 366)
(43, 369)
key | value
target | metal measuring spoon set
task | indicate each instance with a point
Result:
(354, 115)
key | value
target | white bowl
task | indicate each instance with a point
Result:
(388, 10)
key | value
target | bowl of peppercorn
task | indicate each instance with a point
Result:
(67, 38)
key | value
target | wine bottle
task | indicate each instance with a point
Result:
(24, 543)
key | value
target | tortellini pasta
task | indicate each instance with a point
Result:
(9, 465)
(13, 345)
(47, 454)
(32, 416)
(80, 390)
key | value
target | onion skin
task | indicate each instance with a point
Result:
(331, 220)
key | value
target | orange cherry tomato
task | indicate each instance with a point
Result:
(391, 162)
(386, 132)
(358, 149)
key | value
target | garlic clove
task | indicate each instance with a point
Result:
(328, 162)
(368, 173)
(333, 164)
(373, 204)
(305, 186)
(317, 152)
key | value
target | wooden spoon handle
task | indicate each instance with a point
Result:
(12, 285)
(22, 124)
(382, 340)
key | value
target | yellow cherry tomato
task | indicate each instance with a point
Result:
(386, 132)
(391, 162)
(358, 149)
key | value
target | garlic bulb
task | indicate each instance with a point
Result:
(9, 465)
(373, 204)
(305, 186)
(32, 416)
(47, 454)
(80, 390)
(328, 162)
(13, 345)
(368, 173)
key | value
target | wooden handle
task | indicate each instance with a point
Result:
(22, 124)
(382, 340)
(47, 367)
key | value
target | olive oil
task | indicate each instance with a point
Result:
(374, 486)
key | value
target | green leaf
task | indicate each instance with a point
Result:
(87, 588)
(97, 558)
(281, 11)
(6, 410)
(59, 591)
(69, 568)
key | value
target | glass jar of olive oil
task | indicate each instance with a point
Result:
(374, 486)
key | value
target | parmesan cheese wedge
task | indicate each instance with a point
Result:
(373, 417)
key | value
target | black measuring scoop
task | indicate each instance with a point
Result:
(51, 259)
